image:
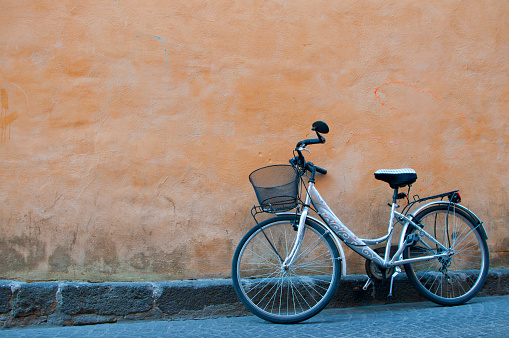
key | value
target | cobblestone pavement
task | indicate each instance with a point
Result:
(484, 316)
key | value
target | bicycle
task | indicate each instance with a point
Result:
(287, 268)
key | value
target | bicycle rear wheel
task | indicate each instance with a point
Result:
(284, 295)
(455, 279)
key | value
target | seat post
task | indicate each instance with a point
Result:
(390, 228)
(395, 196)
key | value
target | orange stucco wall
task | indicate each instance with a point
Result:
(129, 128)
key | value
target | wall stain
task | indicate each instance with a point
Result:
(139, 261)
(158, 261)
(21, 254)
(60, 260)
(101, 254)
(6, 118)
(169, 263)
(210, 264)
(500, 257)
(26, 95)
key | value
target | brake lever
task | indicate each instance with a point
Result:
(302, 148)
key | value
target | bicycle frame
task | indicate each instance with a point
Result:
(360, 245)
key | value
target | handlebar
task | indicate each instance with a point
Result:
(300, 161)
(321, 170)
(304, 143)
(307, 165)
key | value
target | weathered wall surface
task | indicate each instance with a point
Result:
(129, 128)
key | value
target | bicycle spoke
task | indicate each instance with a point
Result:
(456, 262)
(260, 283)
(307, 251)
(263, 258)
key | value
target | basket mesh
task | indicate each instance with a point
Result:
(276, 187)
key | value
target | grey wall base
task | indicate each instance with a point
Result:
(74, 303)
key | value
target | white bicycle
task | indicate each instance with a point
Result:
(287, 268)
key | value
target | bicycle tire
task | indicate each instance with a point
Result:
(285, 296)
(456, 279)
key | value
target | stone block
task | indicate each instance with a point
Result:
(117, 299)
(36, 299)
(175, 298)
(5, 298)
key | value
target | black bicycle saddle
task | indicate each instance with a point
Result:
(396, 178)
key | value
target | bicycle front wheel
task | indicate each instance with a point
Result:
(279, 294)
(454, 279)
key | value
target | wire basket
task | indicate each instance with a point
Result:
(276, 187)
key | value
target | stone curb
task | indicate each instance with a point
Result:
(80, 303)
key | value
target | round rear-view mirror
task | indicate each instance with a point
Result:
(320, 127)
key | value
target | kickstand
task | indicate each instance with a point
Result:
(396, 272)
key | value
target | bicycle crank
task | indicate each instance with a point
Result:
(376, 272)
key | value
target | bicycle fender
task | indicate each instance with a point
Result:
(334, 236)
(480, 225)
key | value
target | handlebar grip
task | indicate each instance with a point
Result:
(321, 170)
(318, 140)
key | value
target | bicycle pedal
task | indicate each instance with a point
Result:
(368, 283)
